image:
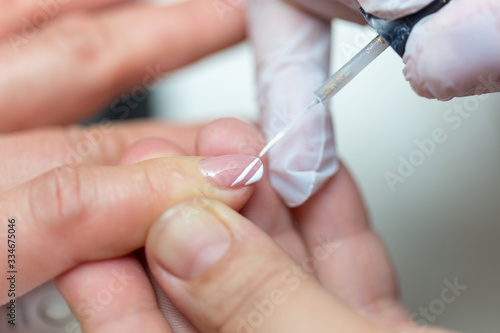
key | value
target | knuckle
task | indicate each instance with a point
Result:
(147, 173)
(80, 35)
(56, 198)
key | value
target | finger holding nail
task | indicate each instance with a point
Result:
(75, 214)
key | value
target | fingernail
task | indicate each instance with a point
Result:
(189, 241)
(233, 170)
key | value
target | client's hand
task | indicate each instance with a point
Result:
(318, 268)
(74, 217)
(63, 60)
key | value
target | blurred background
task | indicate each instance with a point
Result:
(443, 222)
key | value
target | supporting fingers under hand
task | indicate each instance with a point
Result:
(112, 296)
(344, 247)
(226, 275)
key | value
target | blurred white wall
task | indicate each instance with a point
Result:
(443, 222)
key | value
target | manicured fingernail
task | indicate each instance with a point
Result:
(233, 170)
(189, 241)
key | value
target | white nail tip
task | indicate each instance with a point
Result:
(256, 177)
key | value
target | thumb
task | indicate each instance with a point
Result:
(226, 275)
(292, 53)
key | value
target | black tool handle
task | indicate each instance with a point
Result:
(396, 32)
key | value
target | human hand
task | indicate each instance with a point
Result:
(71, 64)
(452, 53)
(86, 218)
(317, 268)
(62, 61)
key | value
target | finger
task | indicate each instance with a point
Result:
(112, 296)
(140, 151)
(32, 153)
(344, 248)
(264, 208)
(456, 52)
(343, 9)
(216, 259)
(226, 135)
(292, 61)
(150, 148)
(116, 294)
(25, 18)
(391, 10)
(98, 56)
(348, 257)
(60, 214)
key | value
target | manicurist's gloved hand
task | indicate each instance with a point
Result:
(292, 51)
(455, 52)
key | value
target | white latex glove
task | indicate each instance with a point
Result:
(455, 52)
(292, 53)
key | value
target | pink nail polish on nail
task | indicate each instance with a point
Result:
(233, 170)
